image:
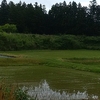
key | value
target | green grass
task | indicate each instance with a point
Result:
(63, 69)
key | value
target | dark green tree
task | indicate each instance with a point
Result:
(81, 26)
(62, 18)
(93, 18)
(4, 13)
(93, 6)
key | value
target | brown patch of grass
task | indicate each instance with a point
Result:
(20, 62)
(7, 92)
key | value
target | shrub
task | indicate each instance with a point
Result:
(58, 42)
(9, 28)
(20, 94)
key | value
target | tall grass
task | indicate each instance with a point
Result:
(12, 92)
(6, 92)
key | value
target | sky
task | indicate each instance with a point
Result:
(49, 3)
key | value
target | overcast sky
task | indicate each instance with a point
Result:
(49, 3)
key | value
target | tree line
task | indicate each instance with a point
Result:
(62, 18)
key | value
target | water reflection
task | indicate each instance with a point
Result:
(43, 92)
(6, 56)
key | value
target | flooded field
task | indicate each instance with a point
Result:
(68, 71)
(62, 79)
(44, 92)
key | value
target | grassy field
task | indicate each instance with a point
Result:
(67, 70)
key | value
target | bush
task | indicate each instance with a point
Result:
(9, 28)
(65, 42)
(58, 42)
(20, 94)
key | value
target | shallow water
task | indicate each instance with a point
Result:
(6, 56)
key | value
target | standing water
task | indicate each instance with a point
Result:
(6, 56)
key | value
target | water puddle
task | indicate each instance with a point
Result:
(6, 56)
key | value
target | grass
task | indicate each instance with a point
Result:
(63, 69)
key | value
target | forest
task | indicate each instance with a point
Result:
(63, 18)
